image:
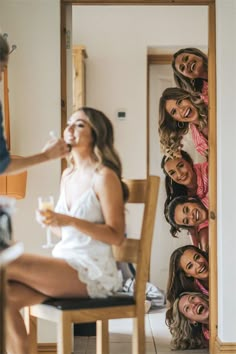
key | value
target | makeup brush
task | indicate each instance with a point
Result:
(52, 134)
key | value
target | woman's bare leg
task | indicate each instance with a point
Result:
(19, 296)
(47, 275)
(32, 279)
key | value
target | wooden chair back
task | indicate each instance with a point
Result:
(138, 251)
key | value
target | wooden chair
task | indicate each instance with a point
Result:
(66, 312)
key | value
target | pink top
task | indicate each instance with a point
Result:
(205, 332)
(199, 140)
(202, 225)
(201, 170)
(204, 93)
(201, 287)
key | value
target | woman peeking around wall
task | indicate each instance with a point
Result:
(188, 271)
(183, 177)
(189, 213)
(188, 321)
(190, 66)
(179, 112)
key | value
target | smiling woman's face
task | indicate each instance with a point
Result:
(194, 264)
(180, 170)
(190, 65)
(194, 308)
(182, 110)
(78, 130)
(190, 214)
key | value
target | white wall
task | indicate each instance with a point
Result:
(226, 174)
(34, 84)
(117, 39)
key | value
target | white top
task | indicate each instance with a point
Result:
(92, 259)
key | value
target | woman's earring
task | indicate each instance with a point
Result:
(180, 125)
(195, 324)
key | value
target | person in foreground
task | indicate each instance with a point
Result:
(89, 219)
(188, 321)
(188, 271)
(55, 148)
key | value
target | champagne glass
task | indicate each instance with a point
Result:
(47, 203)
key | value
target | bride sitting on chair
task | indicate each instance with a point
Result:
(89, 219)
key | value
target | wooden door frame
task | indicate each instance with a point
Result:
(212, 125)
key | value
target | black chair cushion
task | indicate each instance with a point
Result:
(89, 303)
(85, 329)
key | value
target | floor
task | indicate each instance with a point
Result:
(157, 337)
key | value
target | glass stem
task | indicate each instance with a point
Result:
(49, 241)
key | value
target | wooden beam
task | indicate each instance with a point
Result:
(47, 348)
(212, 141)
(139, 2)
(154, 59)
(63, 76)
(224, 348)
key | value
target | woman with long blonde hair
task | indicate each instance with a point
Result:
(88, 219)
(179, 113)
(188, 321)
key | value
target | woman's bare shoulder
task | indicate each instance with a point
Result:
(106, 173)
(106, 176)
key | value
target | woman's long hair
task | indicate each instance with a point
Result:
(174, 189)
(103, 144)
(184, 334)
(184, 82)
(178, 281)
(171, 131)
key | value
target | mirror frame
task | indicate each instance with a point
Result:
(212, 126)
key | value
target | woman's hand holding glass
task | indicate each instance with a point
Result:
(45, 204)
(48, 218)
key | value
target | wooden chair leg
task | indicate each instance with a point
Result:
(102, 338)
(2, 309)
(64, 335)
(31, 327)
(138, 344)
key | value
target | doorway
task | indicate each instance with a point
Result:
(212, 173)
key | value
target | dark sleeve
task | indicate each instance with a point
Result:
(4, 154)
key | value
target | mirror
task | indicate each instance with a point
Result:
(117, 79)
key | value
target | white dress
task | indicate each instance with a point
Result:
(92, 259)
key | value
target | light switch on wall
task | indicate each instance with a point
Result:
(121, 114)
